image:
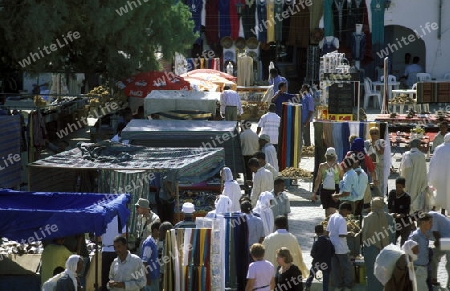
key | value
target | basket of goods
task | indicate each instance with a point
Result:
(295, 173)
(308, 151)
(39, 101)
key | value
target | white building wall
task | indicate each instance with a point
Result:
(415, 14)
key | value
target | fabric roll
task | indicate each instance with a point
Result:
(361, 130)
(354, 128)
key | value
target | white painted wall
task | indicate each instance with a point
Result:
(414, 14)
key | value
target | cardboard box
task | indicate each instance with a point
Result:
(340, 117)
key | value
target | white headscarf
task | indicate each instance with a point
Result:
(223, 204)
(71, 268)
(227, 176)
(263, 208)
(447, 138)
(410, 258)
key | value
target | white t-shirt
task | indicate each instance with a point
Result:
(338, 226)
(112, 231)
(262, 272)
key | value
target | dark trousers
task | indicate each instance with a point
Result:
(404, 233)
(107, 259)
(307, 135)
(325, 278)
(248, 172)
(165, 210)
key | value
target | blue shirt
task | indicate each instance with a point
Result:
(276, 81)
(307, 106)
(349, 184)
(283, 97)
(441, 224)
(150, 256)
(255, 228)
(423, 241)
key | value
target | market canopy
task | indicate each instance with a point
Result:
(142, 84)
(32, 216)
(188, 165)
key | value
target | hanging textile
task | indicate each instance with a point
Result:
(234, 19)
(271, 21)
(328, 17)
(290, 137)
(11, 165)
(338, 18)
(236, 251)
(278, 10)
(211, 23)
(261, 25)
(299, 26)
(377, 8)
(245, 71)
(224, 16)
(196, 7)
(340, 132)
(315, 13)
(120, 181)
(248, 18)
(288, 7)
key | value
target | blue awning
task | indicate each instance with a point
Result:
(32, 216)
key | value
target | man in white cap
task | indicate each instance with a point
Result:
(146, 217)
(188, 210)
(268, 149)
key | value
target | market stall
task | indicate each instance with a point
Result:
(405, 122)
(176, 104)
(115, 168)
(200, 135)
(32, 216)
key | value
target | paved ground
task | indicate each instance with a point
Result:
(305, 214)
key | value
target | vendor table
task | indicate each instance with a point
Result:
(255, 93)
(425, 119)
(169, 100)
(404, 138)
(410, 93)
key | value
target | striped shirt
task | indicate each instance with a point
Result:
(270, 123)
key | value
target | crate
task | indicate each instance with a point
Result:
(340, 117)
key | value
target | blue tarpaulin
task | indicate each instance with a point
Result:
(32, 216)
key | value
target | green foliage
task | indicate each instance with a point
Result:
(148, 26)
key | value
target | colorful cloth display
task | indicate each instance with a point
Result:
(290, 138)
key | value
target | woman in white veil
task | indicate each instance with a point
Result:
(263, 208)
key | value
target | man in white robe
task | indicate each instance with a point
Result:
(438, 173)
(413, 168)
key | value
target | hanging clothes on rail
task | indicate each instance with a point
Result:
(211, 23)
(224, 16)
(249, 19)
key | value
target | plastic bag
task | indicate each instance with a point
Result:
(386, 261)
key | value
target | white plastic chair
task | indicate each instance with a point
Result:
(422, 77)
(391, 79)
(447, 76)
(368, 92)
(371, 86)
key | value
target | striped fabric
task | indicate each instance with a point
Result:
(10, 168)
(290, 146)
